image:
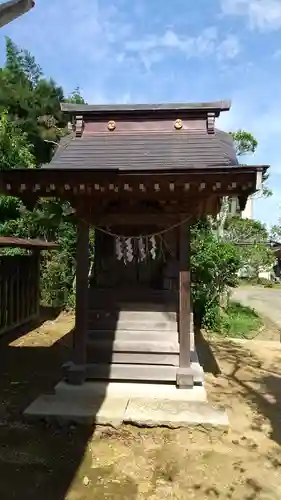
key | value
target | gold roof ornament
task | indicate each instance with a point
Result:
(111, 125)
(178, 124)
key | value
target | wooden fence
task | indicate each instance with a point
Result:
(19, 290)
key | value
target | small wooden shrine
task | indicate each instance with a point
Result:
(140, 175)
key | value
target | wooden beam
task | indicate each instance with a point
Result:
(81, 312)
(184, 374)
(130, 219)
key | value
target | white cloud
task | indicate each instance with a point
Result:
(152, 48)
(263, 15)
(229, 47)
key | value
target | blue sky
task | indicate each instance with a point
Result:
(181, 50)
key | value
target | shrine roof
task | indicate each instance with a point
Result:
(136, 110)
(146, 150)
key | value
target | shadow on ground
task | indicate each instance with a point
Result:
(42, 460)
(257, 381)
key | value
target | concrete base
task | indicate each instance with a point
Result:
(94, 390)
(156, 413)
(116, 403)
(52, 408)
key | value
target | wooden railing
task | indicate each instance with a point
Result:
(19, 290)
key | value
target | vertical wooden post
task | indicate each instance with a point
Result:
(36, 283)
(184, 374)
(76, 374)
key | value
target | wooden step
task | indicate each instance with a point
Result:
(141, 352)
(138, 358)
(132, 315)
(133, 335)
(131, 372)
(151, 325)
(134, 346)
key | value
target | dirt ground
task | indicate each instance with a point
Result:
(50, 463)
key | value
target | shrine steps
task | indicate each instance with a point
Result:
(132, 335)
(133, 372)
(136, 341)
(131, 325)
(138, 313)
(133, 352)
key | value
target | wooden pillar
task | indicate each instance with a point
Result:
(184, 374)
(76, 372)
(36, 283)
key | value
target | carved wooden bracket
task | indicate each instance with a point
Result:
(79, 126)
(211, 123)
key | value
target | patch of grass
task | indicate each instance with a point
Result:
(240, 321)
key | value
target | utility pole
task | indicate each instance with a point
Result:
(13, 9)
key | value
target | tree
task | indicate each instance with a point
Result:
(31, 120)
(15, 152)
(251, 239)
(275, 233)
(244, 142)
(214, 267)
(76, 97)
(31, 100)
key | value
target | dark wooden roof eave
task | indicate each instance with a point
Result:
(145, 109)
(35, 174)
(30, 184)
(13, 9)
(28, 244)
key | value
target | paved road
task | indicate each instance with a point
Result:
(266, 301)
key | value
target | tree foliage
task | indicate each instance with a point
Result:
(251, 239)
(15, 151)
(244, 142)
(31, 101)
(214, 266)
(30, 121)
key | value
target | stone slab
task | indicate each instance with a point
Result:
(154, 413)
(130, 390)
(109, 410)
(98, 410)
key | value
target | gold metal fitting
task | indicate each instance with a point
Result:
(111, 125)
(178, 124)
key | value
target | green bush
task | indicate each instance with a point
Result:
(214, 266)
